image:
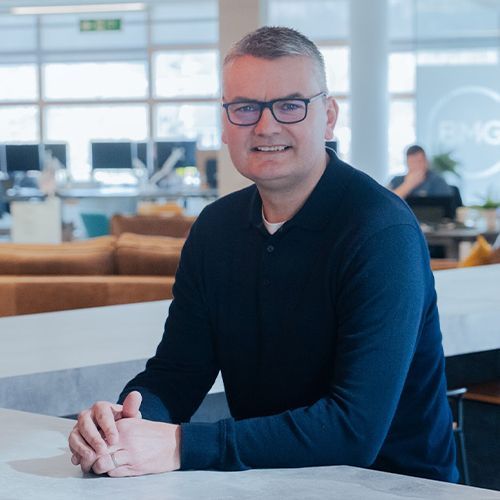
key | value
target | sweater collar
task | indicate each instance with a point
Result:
(321, 205)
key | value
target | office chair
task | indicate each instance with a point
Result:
(457, 197)
(455, 398)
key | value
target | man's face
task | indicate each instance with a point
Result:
(301, 146)
(417, 162)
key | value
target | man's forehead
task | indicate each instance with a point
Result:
(252, 77)
(248, 63)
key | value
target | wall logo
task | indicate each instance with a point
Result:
(467, 122)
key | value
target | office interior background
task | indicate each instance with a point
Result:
(101, 83)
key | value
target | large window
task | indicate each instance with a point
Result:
(19, 124)
(79, 125)
(186, 74)
(18, 82)
(191, 121)
(95, 80)
(165, 62)
(156, 77)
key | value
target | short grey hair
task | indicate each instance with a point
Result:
(272, 42)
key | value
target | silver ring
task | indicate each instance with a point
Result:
(114, 460)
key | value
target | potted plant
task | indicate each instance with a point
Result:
(489, 210)
(445, 164)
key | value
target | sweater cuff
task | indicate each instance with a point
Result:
(201, 445)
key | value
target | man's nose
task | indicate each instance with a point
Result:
(267, 124)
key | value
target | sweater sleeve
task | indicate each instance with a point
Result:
(381, 304)
(184, 367)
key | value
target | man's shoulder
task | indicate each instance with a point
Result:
(396, 181)
(369, 206)
(230, 209)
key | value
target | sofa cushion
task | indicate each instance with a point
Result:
(37, 294)
(153, 225)
(86, 257)
(147, 255)
(479, 254)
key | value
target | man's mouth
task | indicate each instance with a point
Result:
(270, 149)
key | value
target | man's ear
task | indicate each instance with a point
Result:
(332, 111)
(224, 126)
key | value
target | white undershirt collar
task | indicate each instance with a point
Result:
(271, 227)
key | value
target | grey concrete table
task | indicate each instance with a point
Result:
(35, 464)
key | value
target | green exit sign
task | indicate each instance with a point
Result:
(100, 25)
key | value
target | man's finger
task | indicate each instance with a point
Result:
(104, 418)
(77, 444)
(124, 471)
(89, 432)
(131, 405)
(111, 461)
(103, 464)
(81, 448)
(75, 458)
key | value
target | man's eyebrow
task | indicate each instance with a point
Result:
(243, 99)
(295, 95)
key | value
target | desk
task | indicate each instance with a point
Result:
(106, 191)
(109, 200)
(35, 464)
(450, 238)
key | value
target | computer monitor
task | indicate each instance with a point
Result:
(432, 209)
(163, 150)
(22, 157)
(111, 155)
(58, 151)
(141, 152)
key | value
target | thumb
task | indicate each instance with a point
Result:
(131, 405)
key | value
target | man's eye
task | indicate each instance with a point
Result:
(247, 108)
(290, 105)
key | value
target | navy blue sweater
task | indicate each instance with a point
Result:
(326, 333)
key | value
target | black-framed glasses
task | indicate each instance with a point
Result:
(246, 113)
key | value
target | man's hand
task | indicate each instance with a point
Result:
(415, 177)
(143, 447)
(96, 429)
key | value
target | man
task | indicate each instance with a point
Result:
(310, 291)
(419, 181)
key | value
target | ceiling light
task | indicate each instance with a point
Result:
(77, 9)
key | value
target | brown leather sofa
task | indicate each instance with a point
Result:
(103, 271)
(177, 226)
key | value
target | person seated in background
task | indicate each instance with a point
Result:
(419, 180)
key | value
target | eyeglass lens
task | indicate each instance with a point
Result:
(284, 110)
